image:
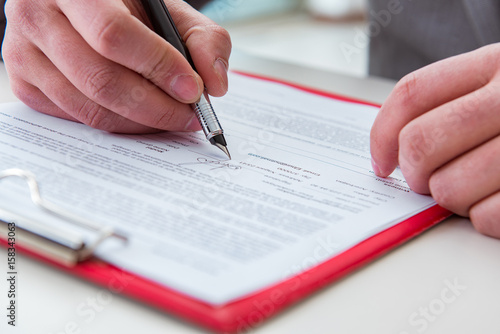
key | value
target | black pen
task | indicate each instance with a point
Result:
(164, 26)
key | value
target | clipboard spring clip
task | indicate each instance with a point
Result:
(56, 245)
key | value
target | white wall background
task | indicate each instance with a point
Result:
(304, 32)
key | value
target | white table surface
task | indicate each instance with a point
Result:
(383, 297)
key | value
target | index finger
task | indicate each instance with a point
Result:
(208, 43)
(109, 28)
(418, 93)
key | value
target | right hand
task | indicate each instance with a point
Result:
(97, 62)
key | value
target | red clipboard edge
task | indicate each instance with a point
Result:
(242, 315)
(311, 90)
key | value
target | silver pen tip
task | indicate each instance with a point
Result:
(223, 149)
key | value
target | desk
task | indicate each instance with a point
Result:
(444, 281)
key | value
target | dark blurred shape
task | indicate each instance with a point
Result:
(419, 32)
(198, 4)
(2, 24)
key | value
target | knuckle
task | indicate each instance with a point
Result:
(110, 32)
(220, 33)
(13, 9)
(102, 84)
(406, 90)
(214, 32)
(157, 66)
(94, 115)
(444, 194)
(414, 153)
(22, 90)
(14, 59)
(484, 222)
(163, 120)
(33, 97)
(25, 16)
(413, 143)
(490, 53)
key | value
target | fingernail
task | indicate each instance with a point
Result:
(221, 68)
(375, 168)
(193, 124)
(185, 88)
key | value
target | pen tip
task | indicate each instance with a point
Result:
(223, 149)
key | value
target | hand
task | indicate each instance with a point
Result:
(442, 124)
(96, 62)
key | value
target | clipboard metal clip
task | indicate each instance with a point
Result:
(65, 247)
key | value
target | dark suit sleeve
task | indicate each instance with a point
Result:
(2, 22)
(198, 4)
(418, 33)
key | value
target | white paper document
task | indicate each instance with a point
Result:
(298, 190)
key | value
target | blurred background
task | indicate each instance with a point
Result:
(324, 34)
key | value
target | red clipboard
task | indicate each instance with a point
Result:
(251, 311)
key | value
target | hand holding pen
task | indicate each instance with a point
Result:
(95, 62)
(164, 25)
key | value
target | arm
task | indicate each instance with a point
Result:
(98, 63)
(441, 124)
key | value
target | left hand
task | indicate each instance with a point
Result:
(441, 124)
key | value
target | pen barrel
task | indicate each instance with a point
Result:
(207, 118)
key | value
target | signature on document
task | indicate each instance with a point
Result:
(216, 163)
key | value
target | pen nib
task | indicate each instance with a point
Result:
(223, 149)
